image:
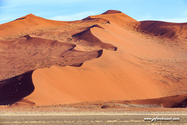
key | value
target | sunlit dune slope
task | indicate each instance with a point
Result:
(101, 79)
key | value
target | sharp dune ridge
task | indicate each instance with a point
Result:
(91, 40)
(103, 57)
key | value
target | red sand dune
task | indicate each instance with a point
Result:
(134, 65)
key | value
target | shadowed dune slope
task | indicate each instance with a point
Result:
(165, 29)
(16, 88)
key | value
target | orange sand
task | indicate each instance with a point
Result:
(104, 57)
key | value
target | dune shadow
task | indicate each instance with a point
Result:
(183, 104)
(16, 88)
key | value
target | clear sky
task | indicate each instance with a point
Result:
(69, 10)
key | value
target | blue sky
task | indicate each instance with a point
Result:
(69, 10)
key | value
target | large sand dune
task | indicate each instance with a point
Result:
(100, 58)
